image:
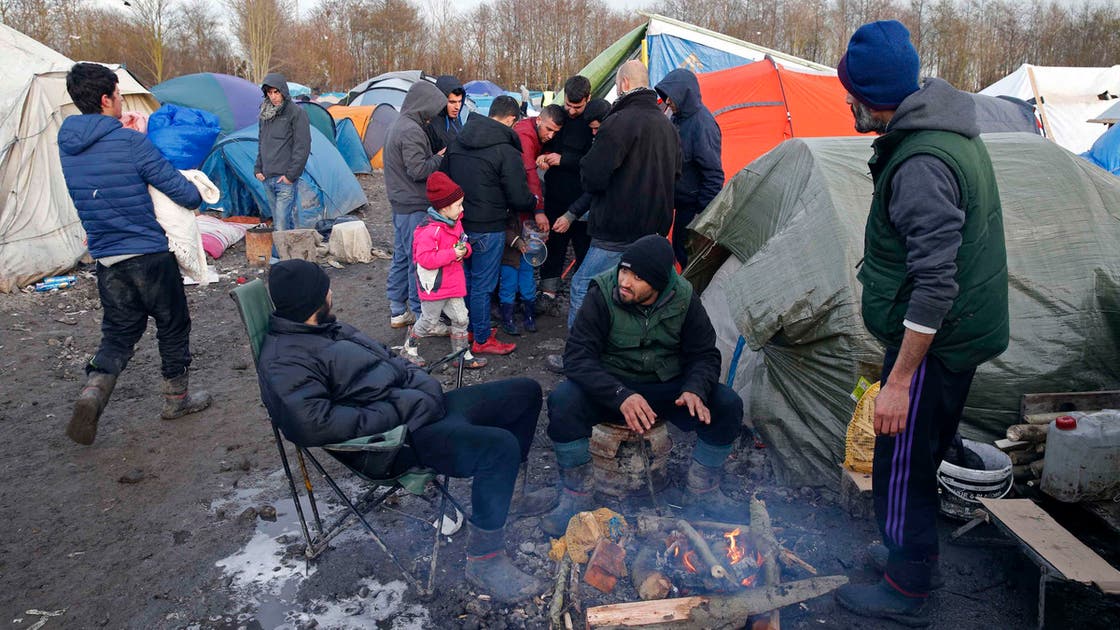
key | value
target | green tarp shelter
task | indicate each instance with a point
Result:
(788, 234)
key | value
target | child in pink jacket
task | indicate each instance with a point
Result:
(439, 246)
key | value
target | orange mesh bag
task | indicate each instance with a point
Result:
(859, 445)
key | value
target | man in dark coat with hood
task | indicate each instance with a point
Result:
(447, 125)
(324, 381)
(630, 171)
(701, 141)
(285, 144)
(108, 170)
(486, 161)
(408, 160)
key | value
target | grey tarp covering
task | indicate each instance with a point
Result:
(794, 221)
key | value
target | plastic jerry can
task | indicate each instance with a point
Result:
(1083, 457)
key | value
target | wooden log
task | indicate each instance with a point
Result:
(768, 546)
(855, 494)
(716, 567)
(1011, 445)
(712, 611)
(575, 602)
(1019, 458)
(1027, 432)
(648, 525)
(1022, 473)
(556, 607)
(1043, 418)
(606, 565)
(651, 583)
(1036, 468)
(790, 560)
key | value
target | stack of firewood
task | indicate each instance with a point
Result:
(1026, 446)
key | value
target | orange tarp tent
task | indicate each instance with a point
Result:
(372, 123)
(760, 105)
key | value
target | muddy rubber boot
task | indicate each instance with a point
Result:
(489, 568)
(577, 494)
(508, 325)
(883, 601)
(179, 401)
(703, 495)
(533, 503)
(87, 410)
(529, 310)
(878, 554)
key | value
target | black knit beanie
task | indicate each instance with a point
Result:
(298, 289)
(651, 259)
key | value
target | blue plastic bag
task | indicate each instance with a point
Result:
(183, 135)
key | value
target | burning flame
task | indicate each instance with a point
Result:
(748, 581)
(757, 559)
(734, 552)
(687, 559)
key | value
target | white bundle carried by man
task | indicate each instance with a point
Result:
(183, 238)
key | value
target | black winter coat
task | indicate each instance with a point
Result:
(701, 142)
(485, 160)
(631, 171)
(332, 383)
(561, 182)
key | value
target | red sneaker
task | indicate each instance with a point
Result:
(492, 346)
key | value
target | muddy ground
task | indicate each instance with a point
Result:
(156, 524)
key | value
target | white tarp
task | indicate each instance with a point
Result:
(1067, 98)
(40, 233)
(793, 221)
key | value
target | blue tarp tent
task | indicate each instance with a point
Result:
(327, 188)
(349, 145)
(1105, 152)
(482, 88)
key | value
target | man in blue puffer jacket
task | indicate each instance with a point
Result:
(108, 170)
(701, 143)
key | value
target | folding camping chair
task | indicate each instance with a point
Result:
(255, 305)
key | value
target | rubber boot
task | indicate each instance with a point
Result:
(577, 494)
(878, 554)
(883, 601)
(87, 410)
(410, 351)
(529, 309)
(490, 569)
(179, 401)
(470, 362)
(704, 495)
(533, 503)
(508, 325)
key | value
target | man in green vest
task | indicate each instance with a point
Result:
(934, 278)
(642, 349)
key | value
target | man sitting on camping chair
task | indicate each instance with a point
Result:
(325, 382)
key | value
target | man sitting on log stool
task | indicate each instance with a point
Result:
(642, 348)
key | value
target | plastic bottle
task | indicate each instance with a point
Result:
(1083, 457)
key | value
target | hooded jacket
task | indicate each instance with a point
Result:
(285, 139)
(631, 171)
(934, 254)
(442, 129)
(408, 157)
(439, 275)
(485, 161)
(108, 170)
(331, 383)
(701, 142)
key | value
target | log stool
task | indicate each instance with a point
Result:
(618, 458)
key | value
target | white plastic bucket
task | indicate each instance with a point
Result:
(962, 488)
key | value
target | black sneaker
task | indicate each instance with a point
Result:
(884, 602)
(877, 554)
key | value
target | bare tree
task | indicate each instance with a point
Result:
(155, 22)
(257, 25)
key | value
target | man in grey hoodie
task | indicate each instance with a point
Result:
(934, 276)
(408, 161)
(285, 144)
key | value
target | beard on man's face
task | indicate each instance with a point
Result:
(324, 315)
(866, 121)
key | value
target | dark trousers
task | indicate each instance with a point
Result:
(904, 470)
(681, 218)
(572, 414)
(131, 291)
(486, 434)
(557, 244)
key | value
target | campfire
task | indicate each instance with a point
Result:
(687, 562)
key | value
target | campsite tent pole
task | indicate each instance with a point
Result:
(1039, 102)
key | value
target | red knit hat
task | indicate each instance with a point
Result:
(442, 191)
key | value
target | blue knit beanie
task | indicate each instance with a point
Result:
(880, 68)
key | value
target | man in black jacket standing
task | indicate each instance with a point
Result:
(282, 152)
(642, 348)
(701, 143)
(325, 382)
(485, 161)
(630, 171)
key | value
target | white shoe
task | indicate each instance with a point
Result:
(404, 320)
